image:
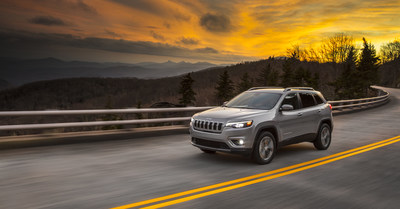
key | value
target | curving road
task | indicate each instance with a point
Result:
(116, 173)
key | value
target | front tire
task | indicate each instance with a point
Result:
(264, 149)
(323, 139)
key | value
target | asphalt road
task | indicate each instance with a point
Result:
(116, 173)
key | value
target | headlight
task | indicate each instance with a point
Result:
(242, 124)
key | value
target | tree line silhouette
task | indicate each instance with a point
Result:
(355, 70)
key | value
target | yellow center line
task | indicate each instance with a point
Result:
(370, 146)
(173, 202)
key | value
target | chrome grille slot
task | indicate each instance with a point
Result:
(208, 126)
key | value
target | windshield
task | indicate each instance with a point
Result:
(254, 100)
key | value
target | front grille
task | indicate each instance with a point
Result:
(210, 126)
(208, 143)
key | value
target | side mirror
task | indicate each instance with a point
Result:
(224, 104)
(286, 107)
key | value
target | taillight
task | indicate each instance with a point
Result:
(330, 106)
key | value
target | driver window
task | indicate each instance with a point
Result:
(291, 99)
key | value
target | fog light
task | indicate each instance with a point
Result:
(238, 142)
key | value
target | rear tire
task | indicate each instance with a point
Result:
(264, 149)
(208, 151)
(324, 137)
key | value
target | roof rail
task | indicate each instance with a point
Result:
(264, 87)
(299, 88)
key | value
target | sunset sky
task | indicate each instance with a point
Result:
(217, 31)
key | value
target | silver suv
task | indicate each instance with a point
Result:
(262, 119)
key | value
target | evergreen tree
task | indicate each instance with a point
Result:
(268, 76)
(264, 76)
(368, 66)
(287, 78)
(224, 88)
(302, 77)
(348, 84)
(245, 83)
(315, 81)
(186, 91)
(273, 78)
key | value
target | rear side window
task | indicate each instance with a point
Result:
(291, 99)
(318, 99)
(307, 100)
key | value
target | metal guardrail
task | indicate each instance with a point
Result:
(101, 111)
(360, 103)
(96, 123)
(336, 105)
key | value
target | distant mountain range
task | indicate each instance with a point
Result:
(16, 72)
(98, 93)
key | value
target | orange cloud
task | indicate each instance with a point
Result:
(247, 29)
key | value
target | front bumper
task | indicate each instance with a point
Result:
(223, 142)
(242, 151)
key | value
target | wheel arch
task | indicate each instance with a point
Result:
(327, 121)
(272, 129)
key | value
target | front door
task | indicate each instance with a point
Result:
(291, 123)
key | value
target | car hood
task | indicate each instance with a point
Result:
(224, 114)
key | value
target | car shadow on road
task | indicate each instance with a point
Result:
(295, 150)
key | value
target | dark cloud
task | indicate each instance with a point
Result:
(207, 50)
(167, 25)
(47, 20)
(187, 41)
(23, 41)
(65, 5)
(154, 8)
(215, 23)
(111, 33)
(227, 7)
(157, 36)
(85, 7)
(181, 16)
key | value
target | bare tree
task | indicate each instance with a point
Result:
(312, 55)
(336, 48)
(294, 52)
(390, 51)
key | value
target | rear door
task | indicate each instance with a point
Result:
(310, 115)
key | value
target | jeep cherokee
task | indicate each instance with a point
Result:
(260, 120)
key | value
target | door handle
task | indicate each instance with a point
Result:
(299, 114)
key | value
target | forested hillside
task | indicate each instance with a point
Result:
(91, 93)
(339, 69)
(390, 74)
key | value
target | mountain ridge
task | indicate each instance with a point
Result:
(19, 71)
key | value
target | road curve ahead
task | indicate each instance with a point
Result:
(361, 169)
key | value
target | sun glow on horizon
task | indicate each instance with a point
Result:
(215, 31)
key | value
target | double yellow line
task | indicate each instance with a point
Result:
(242, 182)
